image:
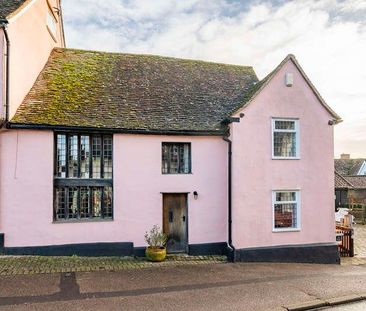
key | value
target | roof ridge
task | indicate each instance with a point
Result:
(258, 87)
(152, 55)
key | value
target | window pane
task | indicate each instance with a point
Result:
(176, 158)
(84, 157)
(285, 196)
(284, 144)
(61, 156)
(73, 156)
(284, 125)
(285, 215)
(107, 156)
(186, 159)
(60, 204)
(96, 202)
(165, 159)
(84, 202)
(97, 153)
(107, 202)
(73, 202)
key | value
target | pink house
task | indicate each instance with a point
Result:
(97, 147)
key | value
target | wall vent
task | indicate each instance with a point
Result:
(289, 79)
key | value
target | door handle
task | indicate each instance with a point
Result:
(184, 218)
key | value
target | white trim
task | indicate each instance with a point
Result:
(362, 168)
(21, 12)
(298, 210)
(296, 131)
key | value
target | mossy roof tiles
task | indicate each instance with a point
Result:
(135, 92)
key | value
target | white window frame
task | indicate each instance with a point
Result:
(298, 212)
(297, 133)
(51, 17)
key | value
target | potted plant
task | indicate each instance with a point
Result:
(156, 241)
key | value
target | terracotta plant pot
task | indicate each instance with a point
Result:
(155, 253)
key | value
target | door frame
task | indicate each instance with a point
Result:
(187, 213)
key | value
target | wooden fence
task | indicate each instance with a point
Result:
(345, 241)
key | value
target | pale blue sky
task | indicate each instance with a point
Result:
(328, 38)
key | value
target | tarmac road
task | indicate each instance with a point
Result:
(239, 286)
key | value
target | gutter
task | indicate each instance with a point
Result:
(3, 25)
(231, 247)
(63, 128)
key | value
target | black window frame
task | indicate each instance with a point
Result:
(104, 185)
(171, 144)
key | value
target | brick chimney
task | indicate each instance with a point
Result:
(345, 156)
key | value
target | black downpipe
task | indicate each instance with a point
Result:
(231, 248)
(3, 24)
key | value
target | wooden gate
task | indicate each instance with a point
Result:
(344, 237)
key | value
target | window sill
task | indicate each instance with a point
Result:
(286, 230)
(71, 221)
(286, 158)
(167, 174)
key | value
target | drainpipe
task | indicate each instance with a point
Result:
(3, 24)
(231, 247)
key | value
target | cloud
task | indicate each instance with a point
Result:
(328, 37)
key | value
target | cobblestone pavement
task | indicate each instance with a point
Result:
(360, 247)
(12, 265)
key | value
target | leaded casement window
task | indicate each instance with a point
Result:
(285, 139)
(176, 158)
(286, 210)
(83, 184)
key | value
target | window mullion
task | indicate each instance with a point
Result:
(189, 158)
(67, 156)
(78, 202)
(66, 189)
(90, 192)
(102, 156)
(91, 156)
(102, 207)
(169, 147)
(79, 155)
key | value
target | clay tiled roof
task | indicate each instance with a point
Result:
(348, 166)
(134, 92)
(358, 182)
(341, 182)
(9, 6)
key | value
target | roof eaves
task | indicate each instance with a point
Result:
(337, 118)
(12, 125)
(19, 9)
(344, 179)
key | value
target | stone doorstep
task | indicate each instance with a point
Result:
(318, 303)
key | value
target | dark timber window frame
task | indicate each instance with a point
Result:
(168, 171)
(91, 184)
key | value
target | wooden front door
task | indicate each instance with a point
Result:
(175, 221)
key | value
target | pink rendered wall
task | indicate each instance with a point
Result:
(26, 163)
(255, 174)
(31, 44)
(2, 86)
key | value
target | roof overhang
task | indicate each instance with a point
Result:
(80, 129)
